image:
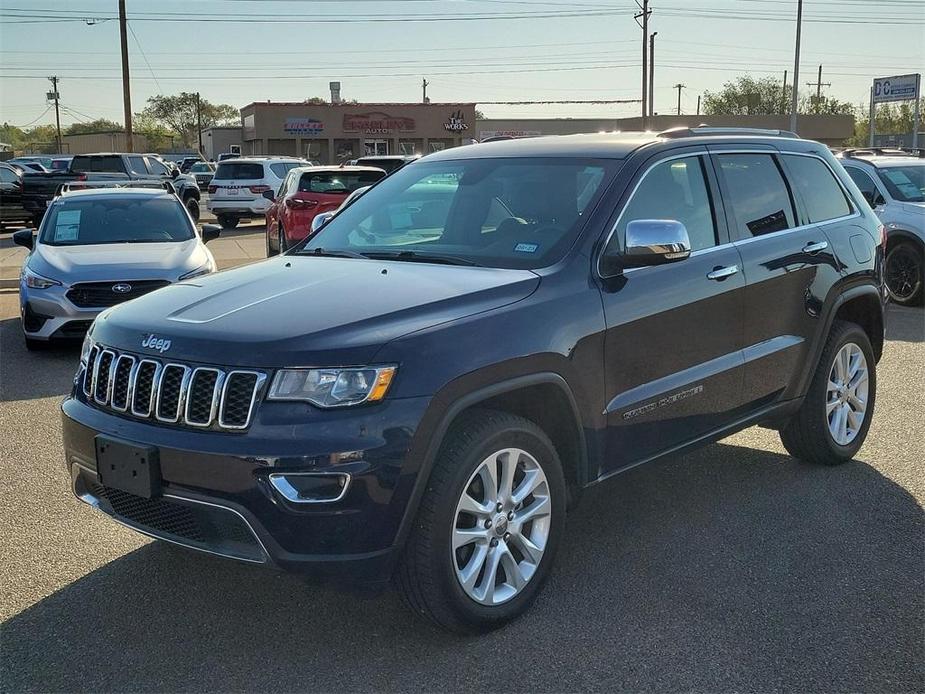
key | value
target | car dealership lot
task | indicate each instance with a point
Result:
(732, 568)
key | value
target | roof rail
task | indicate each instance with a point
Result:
(858, 152)
(95, 185)
(707, 130)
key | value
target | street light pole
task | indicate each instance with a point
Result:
(126, 92)
(794, 101)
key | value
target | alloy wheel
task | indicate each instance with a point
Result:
(903, 272)
(501, 526)
(846, 394)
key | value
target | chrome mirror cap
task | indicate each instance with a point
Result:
(655, 242)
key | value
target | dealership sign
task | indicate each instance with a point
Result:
(304, 126)
(896, 88)
(509, 133)
(456, 122)
(376, 123)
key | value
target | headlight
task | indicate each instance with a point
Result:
(85, 349)
(36, 281)
(201, 270)
(333, 387)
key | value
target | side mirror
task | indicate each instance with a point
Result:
(210, 232)
(320, 220)
(24, 238)
(268, 194)
(174, 173)
(655, 242)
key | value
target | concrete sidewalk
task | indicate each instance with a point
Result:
(240, 246)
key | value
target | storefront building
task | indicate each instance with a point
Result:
(334, 133)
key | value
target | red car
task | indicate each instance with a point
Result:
(306, 192)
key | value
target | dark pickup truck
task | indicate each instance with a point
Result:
(38, 189)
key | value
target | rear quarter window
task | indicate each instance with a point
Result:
(821, 193)
(280, 169)
(238, 171)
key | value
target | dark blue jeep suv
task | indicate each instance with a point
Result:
(421, 389)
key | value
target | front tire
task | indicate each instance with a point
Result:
(832, 423)
(488, 526)
(34, 345)
(903, 273)
(281, 242)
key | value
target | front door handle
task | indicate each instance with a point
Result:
(815, 247)
(721, 273)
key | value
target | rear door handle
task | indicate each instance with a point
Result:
(721, 273)
(815, 247)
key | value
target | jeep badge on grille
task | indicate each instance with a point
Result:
(152, 341)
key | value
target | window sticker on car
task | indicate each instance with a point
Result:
(66, 225)
(526, 247)
(901, 181)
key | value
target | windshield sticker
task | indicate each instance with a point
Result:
(66, 225)
(526, 247)
(902, 181)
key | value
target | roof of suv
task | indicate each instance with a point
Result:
(885, 162)
(260, 160)
(608, 145)
(110, 192)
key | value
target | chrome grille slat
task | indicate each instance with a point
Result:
(205, 397)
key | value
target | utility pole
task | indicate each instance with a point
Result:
(679, 87)
(819, 84)
(644, 15)
(783, 95)
(652, 73)
(126, 92)
(54, 86)
(794, 101)
(199, 121)
(424, 84)
(698, 104)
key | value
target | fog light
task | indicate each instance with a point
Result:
(311, 487)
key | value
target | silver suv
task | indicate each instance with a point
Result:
(237, 188)
(98, 248)
(894, 185)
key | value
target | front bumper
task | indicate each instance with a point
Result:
(218, 497)
(47, 314)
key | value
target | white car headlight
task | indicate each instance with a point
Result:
(36, 281)
(333, 387)
(85, 349)
(201, 270)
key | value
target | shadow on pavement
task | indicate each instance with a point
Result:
(26, 375)
(729, 569)
(905, 324)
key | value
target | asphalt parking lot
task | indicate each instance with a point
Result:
(734, 568)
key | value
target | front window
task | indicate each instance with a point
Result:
(905, 183)
(511, 213)
(100, 221)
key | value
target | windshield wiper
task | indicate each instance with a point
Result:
(331, 253)
(415, 257)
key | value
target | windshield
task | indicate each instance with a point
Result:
(511, 213)
(337, 182)
(905, 183)
(133, 220)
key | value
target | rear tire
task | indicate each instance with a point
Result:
(192, 206)
(485, 526)
(903, 273)
(226, 221)
(836, 392)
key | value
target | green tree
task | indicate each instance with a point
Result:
(748, 96)
(177, 113)
(159, 136)
(95, 126)
(892, 118)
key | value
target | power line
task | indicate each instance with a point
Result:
(142, 51)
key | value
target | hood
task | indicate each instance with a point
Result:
(118, 261)
(307, 311)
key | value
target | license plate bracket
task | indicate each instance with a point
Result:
(132, 468)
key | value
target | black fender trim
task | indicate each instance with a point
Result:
(436, 434)
(904, 235)
(843, 296)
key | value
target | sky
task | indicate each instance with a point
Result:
(241, 51)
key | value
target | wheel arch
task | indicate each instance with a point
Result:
(559, 418)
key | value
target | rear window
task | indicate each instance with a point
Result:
(133, 220)
(334, 182)
(388, 165)
(822, 195)
(238, 171)
(280, 170)
(107, 164)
